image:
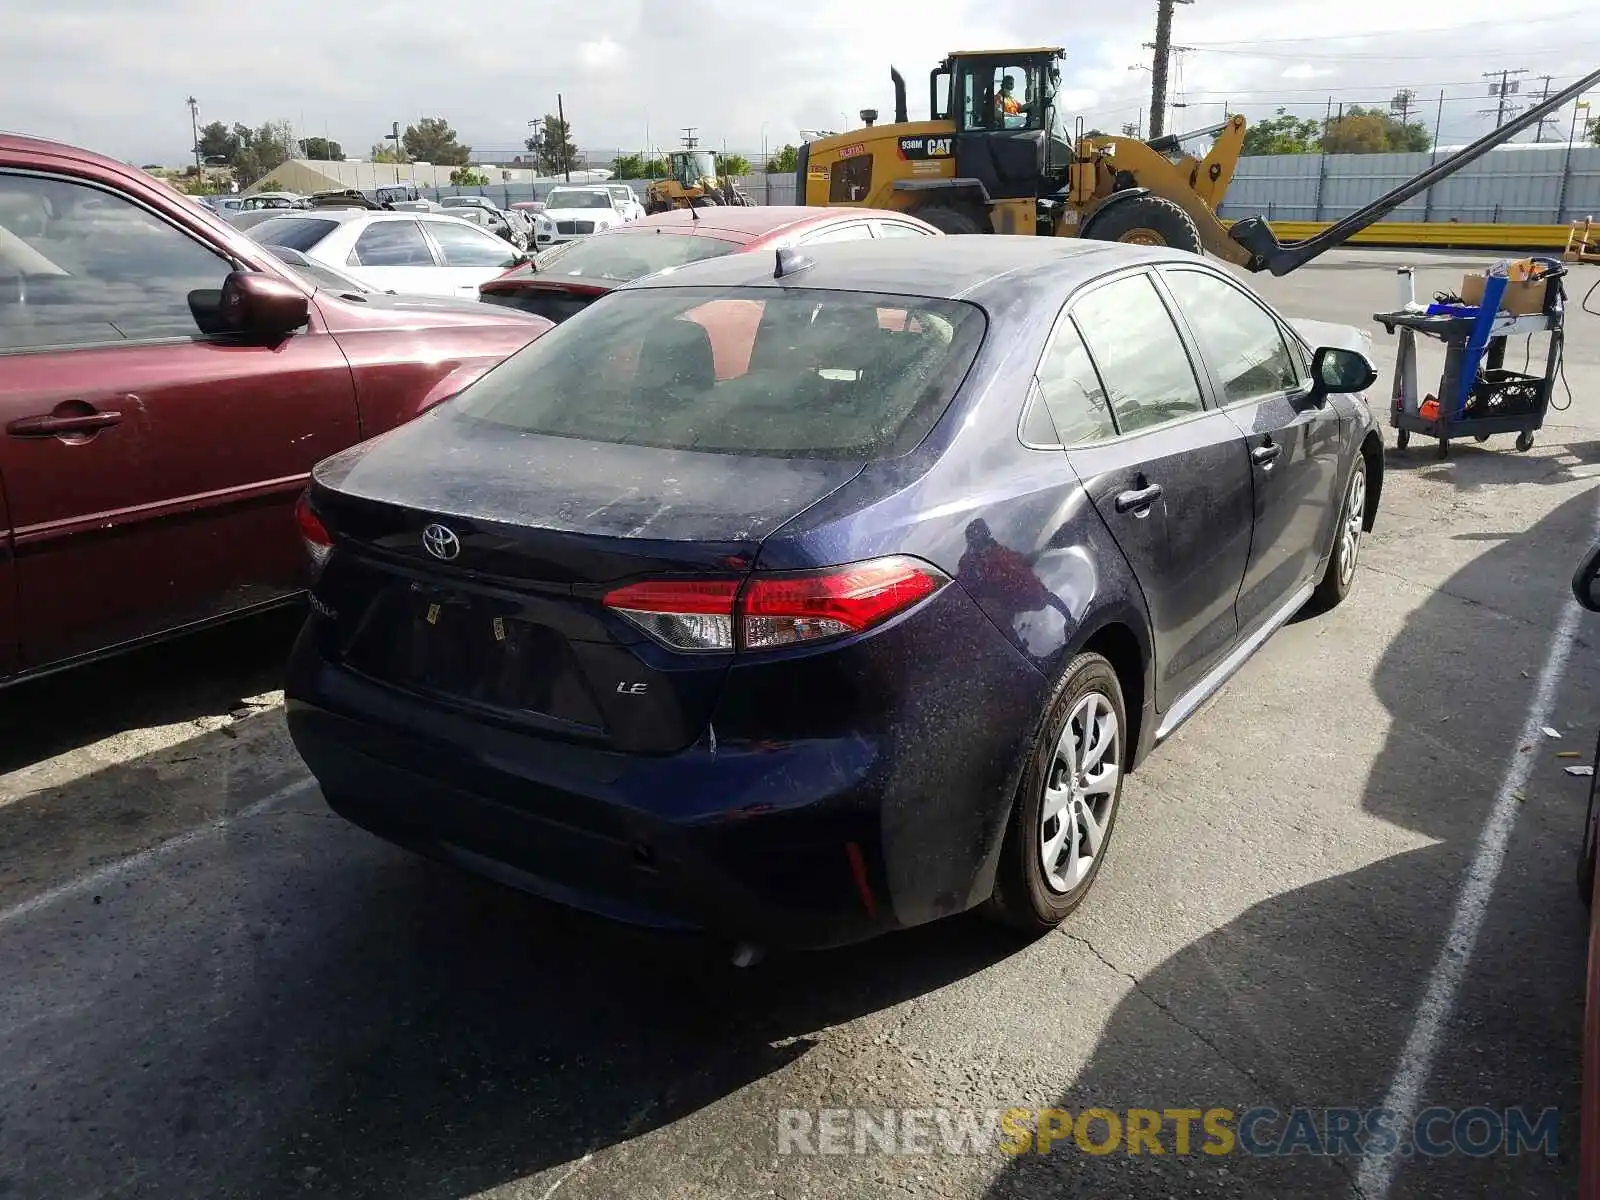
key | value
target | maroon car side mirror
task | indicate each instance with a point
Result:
(259, 304)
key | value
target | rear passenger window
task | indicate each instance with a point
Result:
(1142, 362)
(850, 179)
(1241, 341)
(894, 229)
(1072, 390)
(856, 232)
(391, 244)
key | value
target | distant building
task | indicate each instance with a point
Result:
(307, 175)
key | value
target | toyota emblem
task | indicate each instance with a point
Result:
(441, 542)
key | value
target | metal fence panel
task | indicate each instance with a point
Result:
(1528, 184)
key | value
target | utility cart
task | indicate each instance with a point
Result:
(1478, 395)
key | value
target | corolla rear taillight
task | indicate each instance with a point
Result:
(776, 610)
(319, 543)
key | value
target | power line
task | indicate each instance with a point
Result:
(1382, 33)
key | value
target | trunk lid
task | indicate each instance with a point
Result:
(512, 624)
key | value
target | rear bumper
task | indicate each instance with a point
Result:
(808, 841)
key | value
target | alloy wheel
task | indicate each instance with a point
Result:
(1350, 532)
(1079, 792)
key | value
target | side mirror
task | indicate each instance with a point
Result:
(261, 305)
(1335, 370)
(1586, 580)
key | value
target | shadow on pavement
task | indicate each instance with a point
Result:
(1307, 998)
(206, 674)
(284, 1005)
(1472, 466)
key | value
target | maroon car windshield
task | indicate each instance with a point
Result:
(620, 257)
(790, 373)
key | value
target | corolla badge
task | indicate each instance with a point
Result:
(441, 542)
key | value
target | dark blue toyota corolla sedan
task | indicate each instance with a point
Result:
(806, 597)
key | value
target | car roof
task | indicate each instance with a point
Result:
(976, 267)
(741, 223)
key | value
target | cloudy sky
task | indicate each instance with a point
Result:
(114, 76)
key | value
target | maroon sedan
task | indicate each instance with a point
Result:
(166, 385)
(572, 276)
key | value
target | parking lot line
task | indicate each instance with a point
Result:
(125, 866)
(1472, 905)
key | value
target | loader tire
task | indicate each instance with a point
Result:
(948, 220)
(1146, 221)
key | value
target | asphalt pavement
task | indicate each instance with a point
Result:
(1345, 884)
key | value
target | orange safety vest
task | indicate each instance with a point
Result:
(1009, 106)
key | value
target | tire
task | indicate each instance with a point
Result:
(948, 220)
(1402, 439)
(1525, 441)
(1145, 221)
(1341, 574)
(1028, 894)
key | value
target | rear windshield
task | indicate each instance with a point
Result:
(298, 233)
(625, 256)
(786, 374)
(560, 199)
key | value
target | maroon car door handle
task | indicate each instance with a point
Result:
(54, 425)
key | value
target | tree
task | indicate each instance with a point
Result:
(218, 143)
(1372, 131)
(552, 145)
(626, 166)
(467, 177)
(1593, 129)
(1282, 134)
(1096, 133)
(321, 149)
(382, 152)
(432, 140)
(262, 151)
(732, 164)
(784, 162)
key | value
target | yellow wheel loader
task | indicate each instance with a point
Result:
(693, 183)
(995, 157)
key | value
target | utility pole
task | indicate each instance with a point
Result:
(1505, 89)
(566, 138)
(194, 124)
(689, 139)
(1401, 104)
(1538, 134)
(1158, 67)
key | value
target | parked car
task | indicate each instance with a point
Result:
(627, 201)
(568, 277)
(166, 384)
(273, 200)
(529, 208)
(574, 212)
(1586, 590)
(482, 211)
(424, 254)
(803, 597)
(247, 219)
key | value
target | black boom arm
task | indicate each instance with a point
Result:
(1269, 254)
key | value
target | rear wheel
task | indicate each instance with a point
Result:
(1146, 221)
(1066, 805)
(948, 220)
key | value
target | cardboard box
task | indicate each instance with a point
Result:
(1521, 299)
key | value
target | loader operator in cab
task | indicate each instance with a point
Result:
(1006, 104)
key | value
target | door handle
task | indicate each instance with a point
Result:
(1140, 498)
(1264, 454)
(51, 425)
